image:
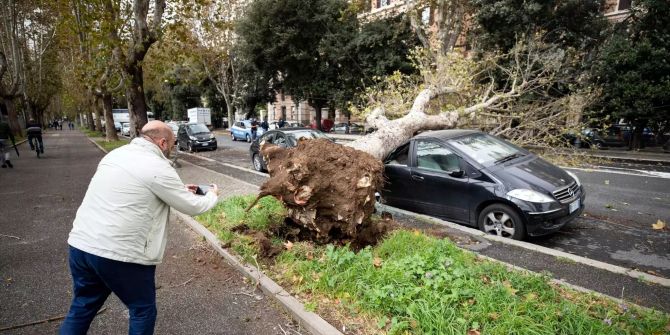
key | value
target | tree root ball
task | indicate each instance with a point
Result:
(326, 187)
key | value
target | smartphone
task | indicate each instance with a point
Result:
(202, 189)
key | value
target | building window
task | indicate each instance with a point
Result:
(624, 4)
(283, 112)
(383, 3)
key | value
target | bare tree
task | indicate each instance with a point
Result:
(11, 61)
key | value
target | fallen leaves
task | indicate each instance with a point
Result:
(473, 332)
(659, 225)
(288, 245)
(509, 288)
(607, 182)
(377, 262)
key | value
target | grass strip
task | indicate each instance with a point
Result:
(413, 283)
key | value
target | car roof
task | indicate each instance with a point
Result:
(291, 129)
(448, 133)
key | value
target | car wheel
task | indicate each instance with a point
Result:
(501, 220)
(258, 164)
(232, 136)
(248, 138)
(598, 145)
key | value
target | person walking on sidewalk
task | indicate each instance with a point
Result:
(5, 137)
(119, 233)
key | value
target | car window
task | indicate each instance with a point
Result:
(484, 149)
(268, 137)
(280, 140)
(294, 136)
(399, 156)
(198, 128)
(433, 156)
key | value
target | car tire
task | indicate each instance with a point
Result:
(501, 220)
(232, 136)
(258, 164)
(598, 145)
(248, 138)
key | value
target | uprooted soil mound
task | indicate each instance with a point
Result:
(326, 187)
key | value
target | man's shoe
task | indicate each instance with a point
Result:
(4, 166)
(9, 164)
(41, 151)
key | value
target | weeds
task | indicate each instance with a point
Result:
(412, 283)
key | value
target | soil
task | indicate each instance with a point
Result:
(326, 187)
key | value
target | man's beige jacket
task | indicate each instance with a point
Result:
(125, 211)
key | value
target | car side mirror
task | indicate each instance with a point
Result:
(457, 173)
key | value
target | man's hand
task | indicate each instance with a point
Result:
(214, 188)
(192, 188)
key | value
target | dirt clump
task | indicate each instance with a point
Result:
(326, 187)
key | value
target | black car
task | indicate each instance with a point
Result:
(476, 179)
(285, 137)
(195, 136)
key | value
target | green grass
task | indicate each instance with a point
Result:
(230, 213)
(109, 146)
(412, 283)
(93, 133)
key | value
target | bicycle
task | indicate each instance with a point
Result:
(35, 145)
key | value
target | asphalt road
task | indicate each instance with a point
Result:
(197, 292)
(621, 206)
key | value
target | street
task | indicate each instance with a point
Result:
(616, 227)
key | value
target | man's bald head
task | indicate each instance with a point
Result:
(157, 129)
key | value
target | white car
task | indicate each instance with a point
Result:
(125, 129)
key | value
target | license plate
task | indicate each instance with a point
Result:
(206, 144)
(574, 206)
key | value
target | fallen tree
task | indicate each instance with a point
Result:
(330, 188)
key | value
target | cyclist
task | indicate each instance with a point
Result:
(5, 137)
(34, 130)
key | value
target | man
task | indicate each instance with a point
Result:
(34, 130)
(254, 128)
(264, 125)
(119, 232)
(5, 137)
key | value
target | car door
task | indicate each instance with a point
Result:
(238, 130)
(441, 185)
(397, 190)
(182, 137)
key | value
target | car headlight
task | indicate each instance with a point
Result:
(193, 138)
(211, 136)
(574, 176)
(530, 196)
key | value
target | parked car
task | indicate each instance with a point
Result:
(125, 129)
(241, 130)
(287, 124)
(343, 128)
(195, 136)
(479, 180)
(117, 125)
(285, 137)
(175, 128)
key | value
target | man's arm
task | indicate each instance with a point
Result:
(169, 188)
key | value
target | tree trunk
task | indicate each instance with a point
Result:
(318, 108)
(89, 114)
(110, 133)
(13, 118)
(137, 105)
(98, 114)
(231, 114)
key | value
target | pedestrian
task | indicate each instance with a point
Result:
(119, 233)
(254, 128)
(60, 124)
(281, 122)
(6, 137)
(264, 125)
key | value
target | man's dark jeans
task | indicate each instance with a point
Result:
(96, 277)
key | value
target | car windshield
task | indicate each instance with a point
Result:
(198, 128)
(485, 149)
(308, 134)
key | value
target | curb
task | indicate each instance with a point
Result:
(532, 247)
(311, 321)
(97, 145)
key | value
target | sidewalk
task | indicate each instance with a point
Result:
(197, 292)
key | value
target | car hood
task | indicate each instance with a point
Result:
(531, 173)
